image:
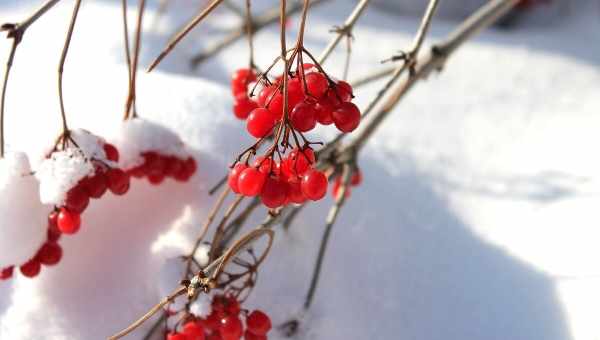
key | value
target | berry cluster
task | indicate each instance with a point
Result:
(225, 323)
(313, 98)
(156, 167)
(293, 180)
(355, 180)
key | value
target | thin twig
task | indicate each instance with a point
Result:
(371, 77)
(331, 218)
(187, 29)
(130, 107)
(127, 53)
(345, 30)
(61, 66)
(269, 17)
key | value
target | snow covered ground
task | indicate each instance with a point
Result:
(478, 218)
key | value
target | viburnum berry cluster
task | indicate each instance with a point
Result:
(156, 167)
(292, 180)
(225, 322)
(312, 97)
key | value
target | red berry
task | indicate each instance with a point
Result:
(243, 106)
(251, 181)
(337, 186)
(156, 179)
(240, 80)
(137, 172)
(346, 117)
(190, 167)
(154, 163)
(251, 336)
(193, 331)
(49, 254)
(6, 273)
(213, 321)
(232, 305)
(295, 193)
(214, 336)
(323, 111)
(266, 95)
(266, 165)
(274, 193)
(176, 336)
(357, 177)
(303, 117)
(53, 231)
(231, 327)
(96, 185)
(316, 84)
(343, 91)
(295, 92)
(53, 235)
(258, 323)
(173, 166)
(112, 154)
(298, 162)
(77, 199)
(260, 123)
(118, 181)
(314, 185)
(68, 222)
(234, 175)
(31, 268)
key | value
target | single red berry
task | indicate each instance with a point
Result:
(53, 235)
(251, 181)
(68, 222)
(6, 273)
(193, 331)
(251, 336)
(96, 185)
(266, 165)
(357, 177)
(49, 254)
(190, 167)
(232, 305)
(77, 199)
(304, 117)
(275, 105)
(316, 84)
(213, 321)
(260, 123)
(173, 166)
(156, 179)
(337, 186)
(240, 80)
(112, 154)
(154, 164)
(234, 175)
(314, 184)
(231, 327)
(258, 323)
(53, 223)
(118, 181)
(266, 95)
(298, 162)
(31, 269)
(295, 92)
(323, 111)
(243, 106)
(295, 193)
(344, 91)
(176, 336)
(308, 67)
(274, 193)
(346, 117)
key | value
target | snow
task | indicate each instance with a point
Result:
(19, 204)
(477, 218)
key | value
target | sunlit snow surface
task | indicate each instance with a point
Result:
(478, 218)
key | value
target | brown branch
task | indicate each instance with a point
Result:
(187, 29)
(130, 106)
(269, 17)
(127, 53)
(16, 33)
(373, 76)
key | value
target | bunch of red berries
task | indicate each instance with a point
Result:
(156, 167)
(293, 180)
(313, 98)
(355, 181)
(225, 323)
